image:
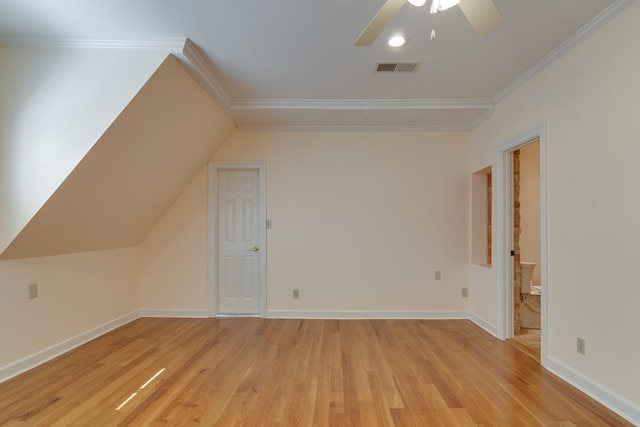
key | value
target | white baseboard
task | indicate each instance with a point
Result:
(187, 313)
(484, 324)
(352, 315)
(611, 400)
(236, 316)
(22, 365)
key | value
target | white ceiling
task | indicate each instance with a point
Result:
(293, 63)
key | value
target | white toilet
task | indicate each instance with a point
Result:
(530, 307)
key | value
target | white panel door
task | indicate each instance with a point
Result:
(239, 242)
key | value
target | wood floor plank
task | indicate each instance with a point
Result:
(258, 372)
(322, 403)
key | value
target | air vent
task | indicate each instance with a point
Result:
(397, 67)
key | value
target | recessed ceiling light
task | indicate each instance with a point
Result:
(397, 41)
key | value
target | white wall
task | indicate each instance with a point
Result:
(361, 221)
(589, 100)
(173, 257)
(133, 173)
(55, 105)
(76, 293)
(84, 293)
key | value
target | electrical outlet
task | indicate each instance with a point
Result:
(269, 225)
(581, 345)
(438, 275)
(465, 292)
(296, 294)
(33, 290)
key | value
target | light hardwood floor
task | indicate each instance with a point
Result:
(257, 372)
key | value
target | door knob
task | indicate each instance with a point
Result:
(255, 249)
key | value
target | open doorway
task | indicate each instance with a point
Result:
(525, 205)
(521, 252)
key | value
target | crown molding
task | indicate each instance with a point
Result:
(172, 45)
(363, 104)
(481, 118)
(605, 16)
(487, 105)
(205, 69)
(179, 45)
(372, 128)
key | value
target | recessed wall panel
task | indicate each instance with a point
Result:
(230, 220)
(248, 267)
(230, 276)
(247, 220)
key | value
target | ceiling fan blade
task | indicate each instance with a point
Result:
(483, 15)
(388, 10)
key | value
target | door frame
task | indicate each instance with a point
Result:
(213, 280)
(505, 235)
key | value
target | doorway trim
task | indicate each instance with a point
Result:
(212, 232)
(504, 238)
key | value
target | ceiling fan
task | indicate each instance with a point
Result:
(481, 14)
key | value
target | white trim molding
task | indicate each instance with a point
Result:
(26, 363)
(206, 73)
(484, 324)
(382, 314)
(602, 18)
(504, 240)
(363, 128)
(611, 400)
(365, 315)
(364, 104)
(171, 45)
(174, 313)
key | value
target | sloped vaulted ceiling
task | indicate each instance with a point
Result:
(134, 172)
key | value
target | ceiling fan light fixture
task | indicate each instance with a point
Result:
(442, 5)
(397, 40)
(417, 2)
